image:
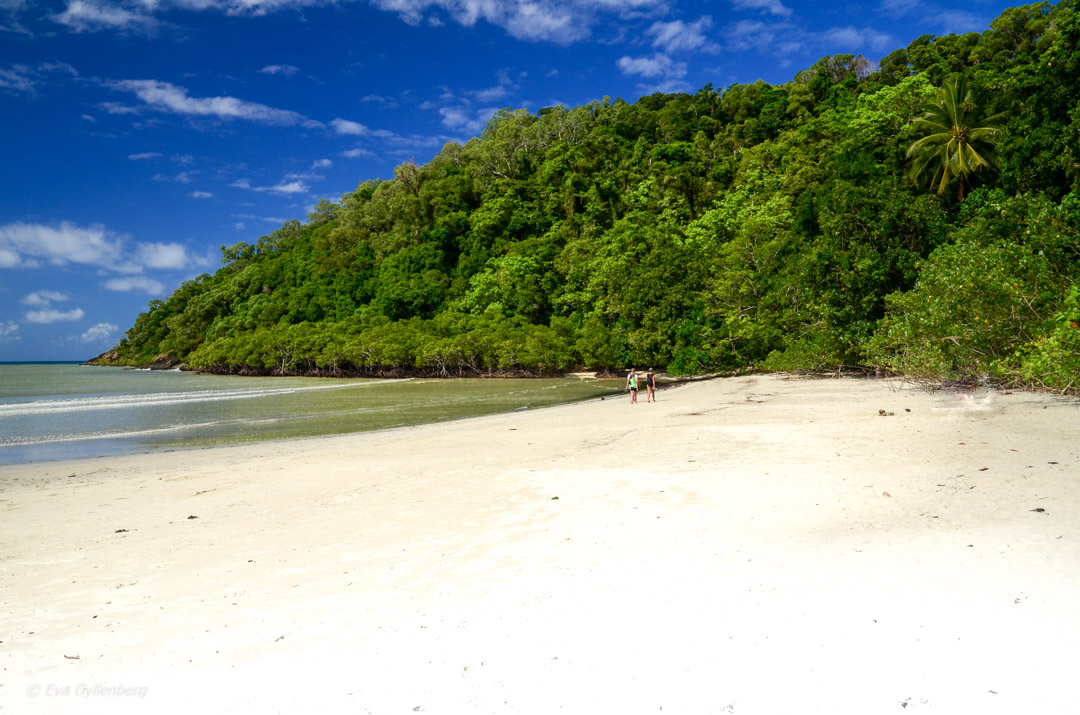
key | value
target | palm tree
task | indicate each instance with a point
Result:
(959, 142)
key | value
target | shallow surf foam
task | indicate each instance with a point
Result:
(156, 399)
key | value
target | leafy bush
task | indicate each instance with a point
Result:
(972, 306)
(1052, 360)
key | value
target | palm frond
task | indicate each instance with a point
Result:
(958, 143)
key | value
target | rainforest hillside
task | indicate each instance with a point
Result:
(920, 215)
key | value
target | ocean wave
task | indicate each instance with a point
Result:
(119, 434)
(234, 426)
(158, 399)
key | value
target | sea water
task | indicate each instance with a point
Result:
(65, 411)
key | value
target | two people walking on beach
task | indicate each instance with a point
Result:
(632, 386)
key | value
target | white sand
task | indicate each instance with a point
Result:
(752, 545)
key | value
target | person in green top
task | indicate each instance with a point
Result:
(631, 385)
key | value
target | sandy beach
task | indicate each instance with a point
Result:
(745, 545)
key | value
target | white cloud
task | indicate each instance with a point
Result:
(17, 78)
(21, 244)
(344, 126)
(166, 97)
(183, 159)
(8, 329)
(465, 118)
(499, 91)
(13, 8)
(135, 283)
(144, 156)
(21, 78)
(66, 243)
(287, 70)
(11, 259)
(99, 333)
(60, 67)
(856, 39)
(385, 101)
(898, 8)
(753, 34)
(959, 21)
(773, 7)
(678, 36)
(42, 298)
(85, 16)
(253, 217)
(659, 65)
(51, 315)
(468, 113)
(491, 94)
(322, 164)
(533, 21)
(291, 187)
(785, 39)
(356, 154)
(560, 21)
(184, 177)
(116, 108)
(283, 188)
(385, 134)
(667, 75)
(171, 256)
(201, 195)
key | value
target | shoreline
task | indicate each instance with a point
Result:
(748, 545)
(286, 442)
(446, 400)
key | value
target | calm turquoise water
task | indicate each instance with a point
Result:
(50, 411)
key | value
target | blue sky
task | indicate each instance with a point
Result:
(139, 136)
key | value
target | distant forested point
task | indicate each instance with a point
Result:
(920, 217)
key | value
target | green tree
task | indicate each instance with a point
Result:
(960, 139)
(762, 226)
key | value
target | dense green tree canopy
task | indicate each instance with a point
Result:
(775, 227)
